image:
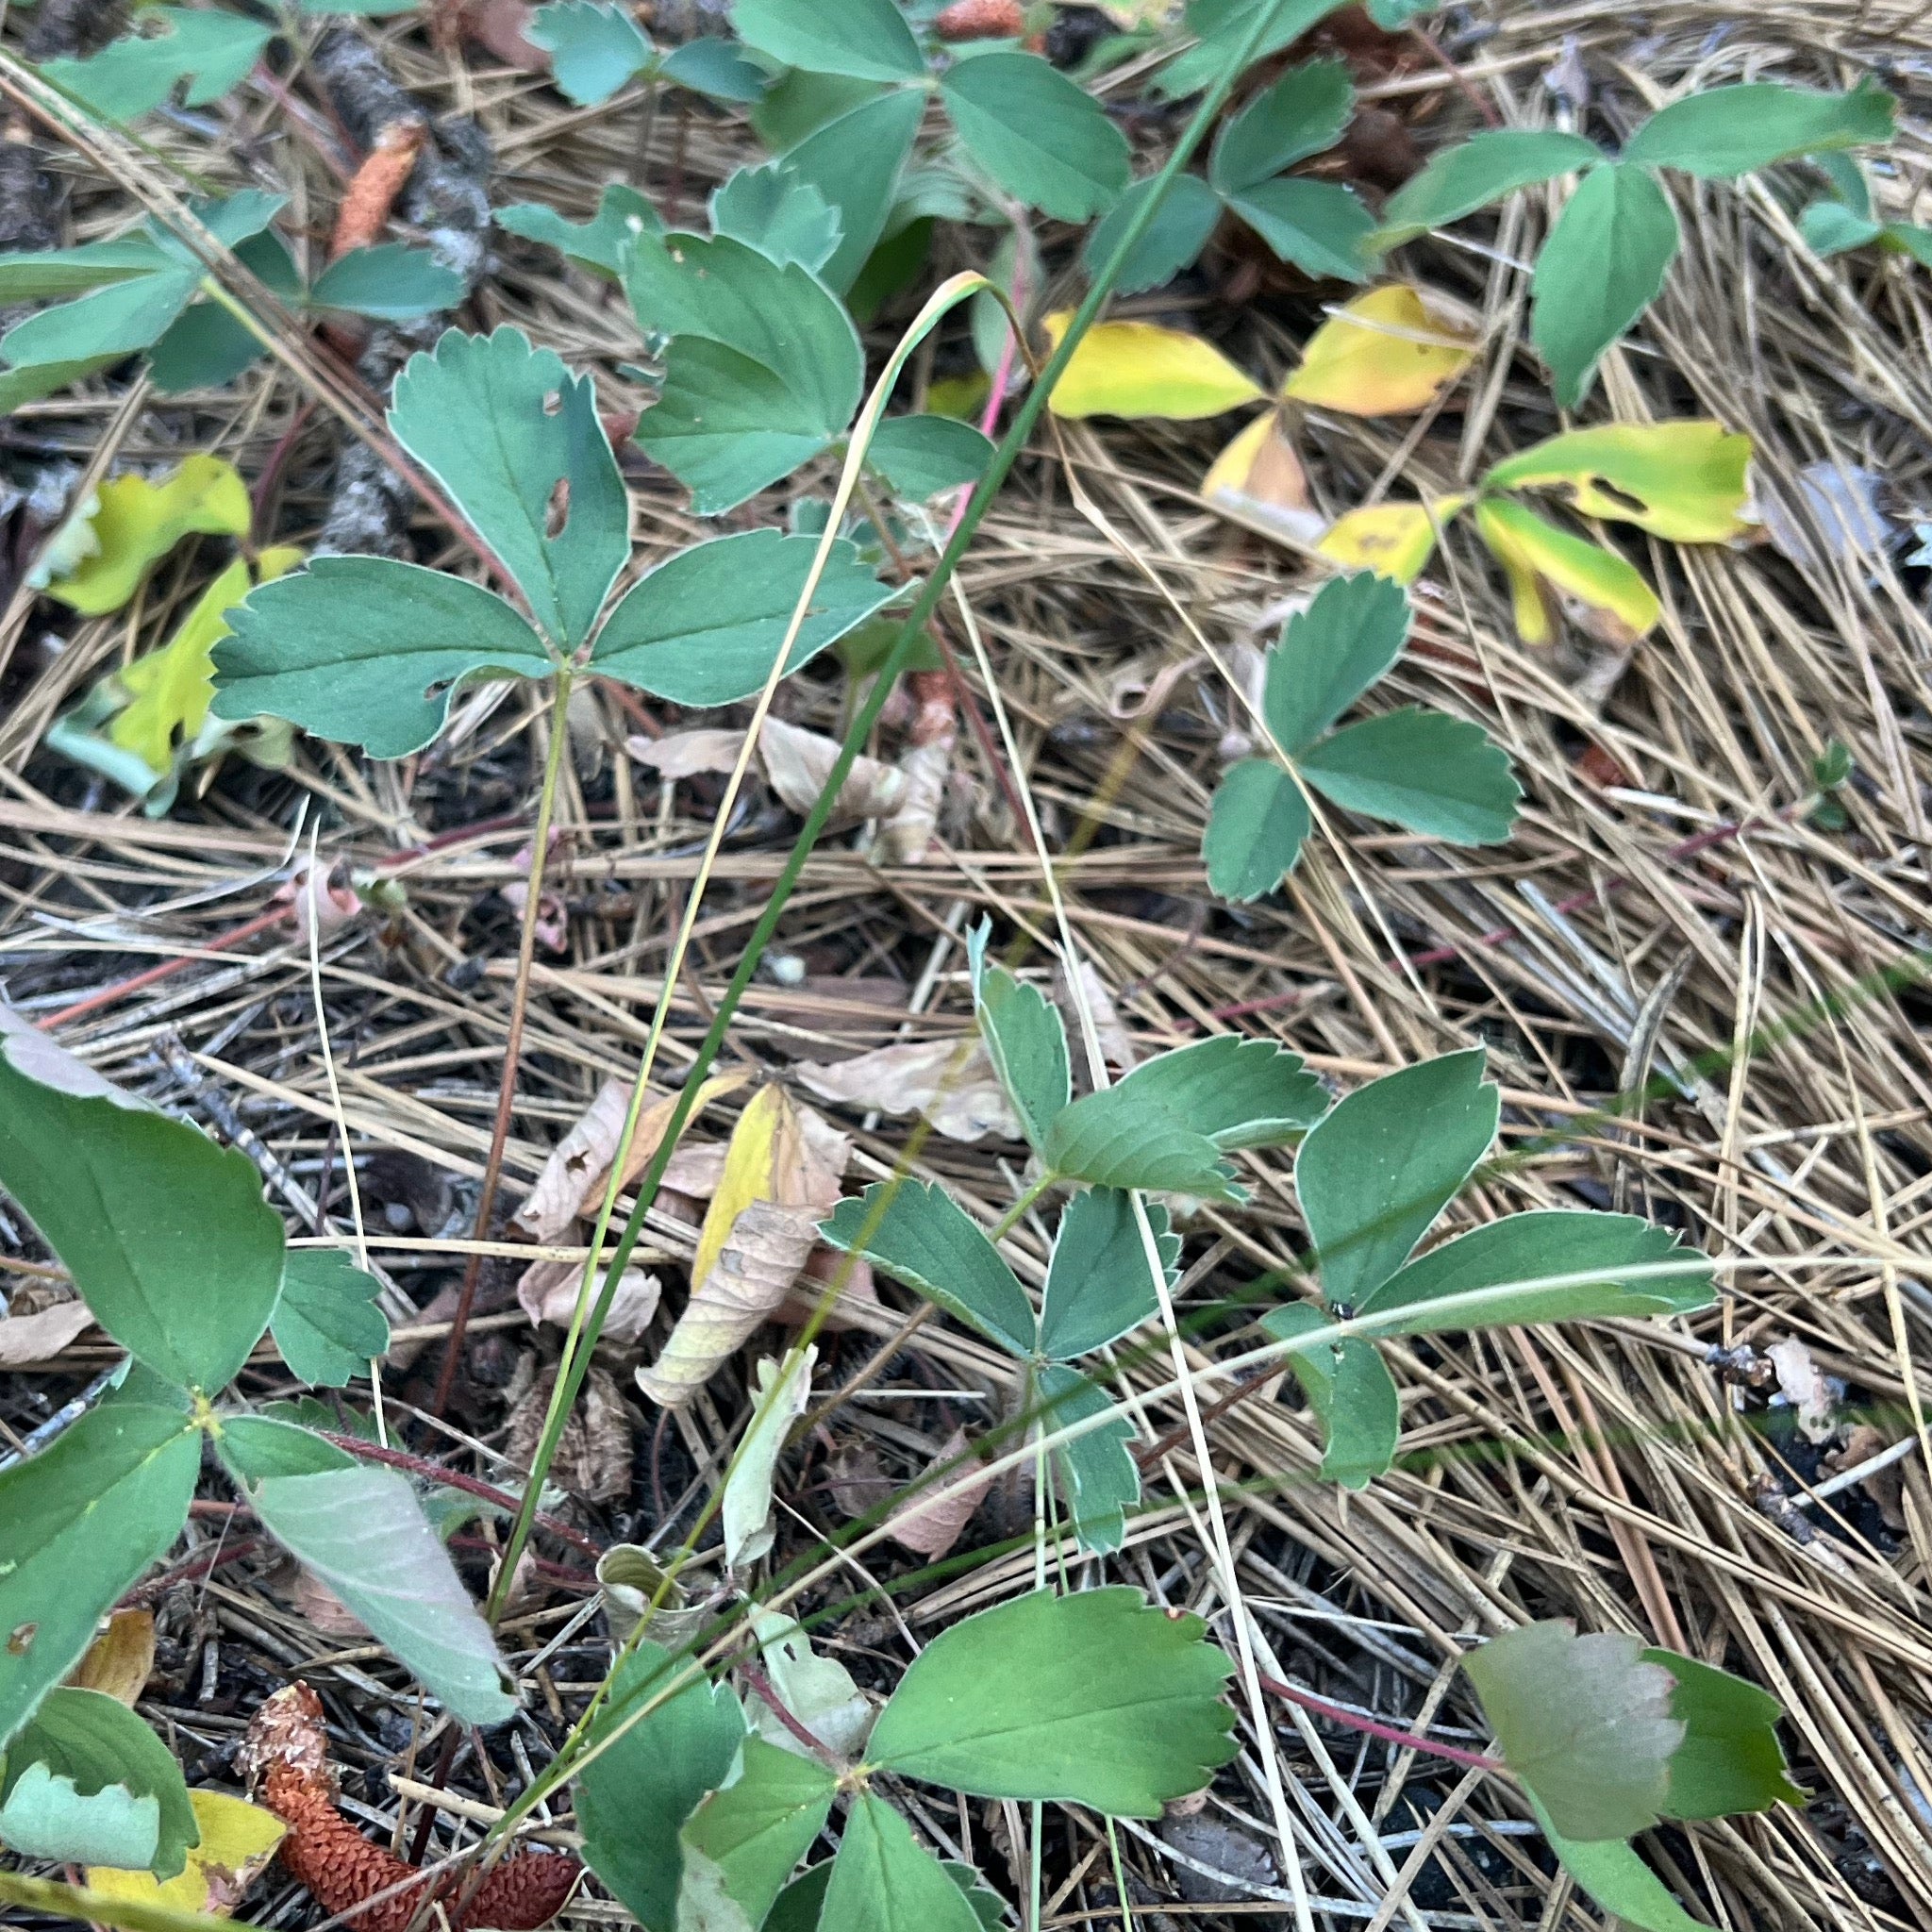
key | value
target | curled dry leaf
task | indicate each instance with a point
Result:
(930, 1527)
(1258, 481)
(1808, 1391)
(284, 1757)
(39, 1338)
(593, 1453)
(120, 1660)
(547, 1291)
(856, 1479)
(907, 833)
(950, 1082)
(685, 754)
(826, 1268)
(798, 762)
(314, 1601)
(578, 1172)
(781, 1176)
(632, 1582)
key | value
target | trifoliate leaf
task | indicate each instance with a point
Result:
(623, 214)
(1395, 539)
(212, 50)
(1434, 775)
(703, 627)
(411, 635)
(1600, 269)
(237, 1839)
(1329, 655)
(326, 1323)
(1098, 1283)
(1099, 1699)
(1583, 1722)
(1095, 1472)
(1474, 172)
(1730, 1760)
(1348, 1386)
(1139, 369)
(93, 1756)
(139, 1207)
(1254, 829)
(362, 1532)
(1504, 1260)
(775, 210)
(764, 367)
(1724, 131)
(634, 1796)
(1238, 1093)
(1320, 227)
(1686, 481)
(1378, 1168)
(594, 47)
(1116, 1139)
(1551, 572)
(78, 1524)
(1305, 111)
(745, 1841)
(921, 456)
(390, 282)
(866, 40)
(513, 440)
(1025, 1039)
(1171, 241)
(857, 162)
(1039, 136)
(138, 523)
(1389, 353)
(883, 1880)
(921, 1236)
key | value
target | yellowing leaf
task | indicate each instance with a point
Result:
(1258, 481)
(171, 689)
(1137, 369)
(1389, 353)
(1550, 569)
(118, 1660)
(781, 1178)
(1686, 481)
(138, 523)
(1395, 539)
(237, 1840)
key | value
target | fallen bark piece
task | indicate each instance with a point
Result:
(285, 1758)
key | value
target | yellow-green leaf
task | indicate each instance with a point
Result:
(171, 689)
(237, 1839)
(1686, 481)
(138, 523)
(1395, 539)
(1550, 571)
(1389, 353)
(1137, 369)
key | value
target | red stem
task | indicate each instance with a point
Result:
(107, 995)
(1336, 1713)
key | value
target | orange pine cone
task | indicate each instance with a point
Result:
(980, 19)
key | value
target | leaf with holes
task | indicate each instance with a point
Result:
(1098, 1699)
(368, 651)
(513, 440)
(1689, 482)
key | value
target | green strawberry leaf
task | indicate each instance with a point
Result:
(623, 214)
(1305, 112)
(857, 160)
(1095, 1474)
(775, 210)
(1722, 131)
(883, 1880)
(327, 1323)
(1116, 1139)
(1024, 1039)
(1348, 1386)
(1098, 1286)
(1172, 241)
(1730, 1760)
(212, 50)
(1471, 174)
(1320, 227)
(921, 456)
(1255, 830)
(1431, 774)
(745, 1841)
(1042, 137)
(593, 48)
(865, 40)
(389, 282)
(1238, 1093)
(1330, 653)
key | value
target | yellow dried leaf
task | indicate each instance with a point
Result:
(781, 1178)
(1389, 353)
(118, 1660)
(138, 523)
(1259, 482)
(237, 1839)
(1138, 369)
(1396, 538)
(1550, 571)
(1684, 481)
